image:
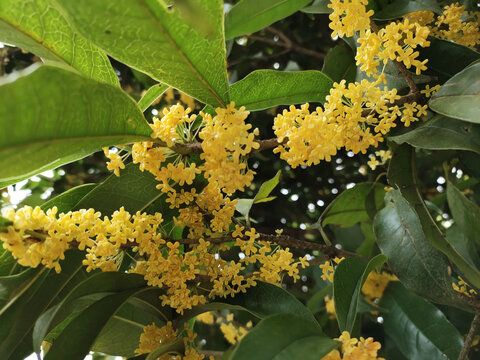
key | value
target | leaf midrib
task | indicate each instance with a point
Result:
(187, 61)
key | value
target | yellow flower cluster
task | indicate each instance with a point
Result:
(455, 24)
(354, 117)
(384, 155)
(116, 161)
(463, 287)
(330, 307)
(376, 284)
(396, 41)
(233, 332)
(153, 336)
(172, 127)
(348, 17)
(328, 268)
(353, 348)
(226, 143)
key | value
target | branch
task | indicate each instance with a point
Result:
(469, 339)
(287, 43)
(400, 66)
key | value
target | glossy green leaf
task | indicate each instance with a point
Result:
(262, 89)
(18, 321)
(284, 337)
(446, 58)
(68, 117)
(248, 16)
(399, 8)
(97, 283)
(40, 27)
(318, 7)
(348, 279)
(443, 133)
(459, 97)
(463, 245)
(340, 64)
(243, 206)
(133, 189)
(80, 334)
(13, 286)
(151, 96)
(8, 263)
(420, 267)
(261, 300)
(465, 213)
(419, 329)
(121, 334)
(402, 173)
(350, 206)
(176, 48)
(67, 200)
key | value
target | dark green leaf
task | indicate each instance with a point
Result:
(133, 189)
(442, 133)
(419, 329)
(402, 173)
(68, 117)
(7, 263)
(284, 337)
(262, 89)
(13, 286)
(318, 7)
(176, 346)
(66, 201)
(151, 95)
(446, 58)
(248, 16)
(419, 266)
(350, 206)
(348, 280)
(261, 300)
(398, 8)
(459, 97)
(340, 64)
(18, 321)
(176, 48)
(470, 162)
(80, 334)
(463, 245)
(465, 213)
(97, 283)
(40, 27)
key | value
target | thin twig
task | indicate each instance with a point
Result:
(470, 336)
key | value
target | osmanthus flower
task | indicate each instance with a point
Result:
(355, 349)
(376, 284)
(348, 17)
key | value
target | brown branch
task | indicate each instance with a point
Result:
(286, 43)
(401, 67)
(470, 336)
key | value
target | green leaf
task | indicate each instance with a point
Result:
(402, 173)
(443, 133)
(68, 117)
(340, 64)
(176, 346)
(263, 89)
(40, 27)
(151, 95)
(398, 8)
(184, 51)
(465, 212)
(348, 280)
(248, 16)
(121, 334)
(318, 7)
(419, 266)
(67, 200)
(7, 263)
(284, 337)
(4, 224)
(463, 245)
(261, 300)
(350, 206)
(419, 329)
(12, 286)
(459, 97)
(97, 283)
(244, 205)
(133, 189)
(76, 340)
(446, 58)
(48, 288)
